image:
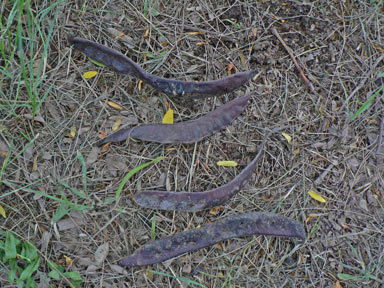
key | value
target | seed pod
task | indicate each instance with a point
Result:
(184, 132)
(210, 234)
(122, 64)
(196, 201)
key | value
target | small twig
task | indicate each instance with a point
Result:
(380, 136)
(290, 52)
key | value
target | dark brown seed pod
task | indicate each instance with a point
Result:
(184, 132)
(210, 234)
(122, 64)
(109, 57)
(196, 201)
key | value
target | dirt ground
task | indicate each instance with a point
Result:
(340, 47)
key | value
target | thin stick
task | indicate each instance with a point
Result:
(380, 136)
(290, 52)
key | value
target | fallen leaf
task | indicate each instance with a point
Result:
(230, 68)
(102, 134)
(337, 284)
(34, 166)
(68, 261)
(219, 246)
(295, 152)
(89, 74)
(101, 253)
(140, 85)
(316, 196)
(115, 105)
(168, 117)
(200, 43)
(146, 33)
(150, 275)
(265, 198)
(117, 124)
(215, 210)
(36, 118)
(227, 163)
(287, 137)
(72, 133)
(2, 212)
(195, 33)
(242, 59)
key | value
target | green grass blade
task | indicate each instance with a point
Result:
(84, 172)
(182, 279)
(366, 104)
(132, 172)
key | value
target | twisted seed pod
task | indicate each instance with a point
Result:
(122, 64)
(210, 234)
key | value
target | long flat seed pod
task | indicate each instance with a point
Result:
(210, 234)
(122, 64)
(196, 201)
(184, 132)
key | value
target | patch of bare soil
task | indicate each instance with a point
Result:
(340, 47)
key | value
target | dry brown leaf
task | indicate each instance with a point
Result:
(102, 134)
(201, 43)
(337, 284)
(242, 59)
(267, 199)
(216, 210)
(101, 253)
(230, 68)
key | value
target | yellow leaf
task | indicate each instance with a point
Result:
(115, 105)
(316, 196)
(168, 117)
(149, 273)
(287, 136)
(68, 261)
(89, 74)
(140, 85)
(72, 133)
(2, 212)
(34, 166)
(117, 124)
(227, 163)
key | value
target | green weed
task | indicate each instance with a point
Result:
(21, 259)
(363, 274)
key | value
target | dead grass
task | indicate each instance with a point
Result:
(337, 44)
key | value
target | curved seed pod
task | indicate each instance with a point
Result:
(200, 89)
(122, 64)
(196, 201)
(184, 132)
(109, 57)
(207, 235)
